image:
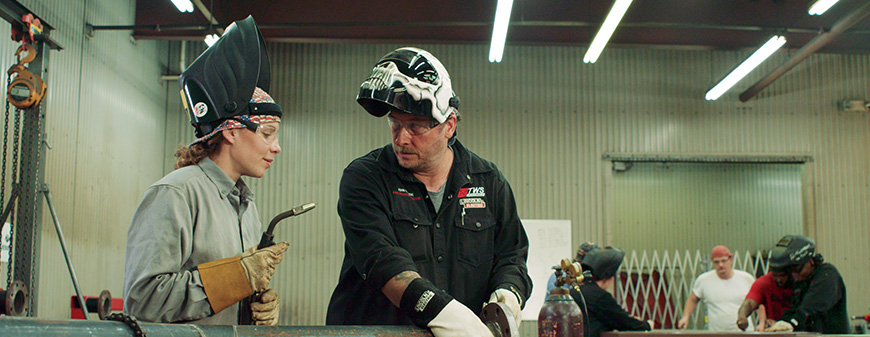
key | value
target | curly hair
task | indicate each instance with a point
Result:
(191, 155)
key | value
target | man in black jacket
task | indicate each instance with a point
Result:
(600, 309)
(819, 295)
(431, 229)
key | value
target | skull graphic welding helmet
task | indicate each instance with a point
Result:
(410, 80)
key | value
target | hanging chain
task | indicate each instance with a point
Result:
(3, 189)
(16, 143)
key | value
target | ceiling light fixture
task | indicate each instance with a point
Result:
(184, 6)
(210, 39)
(616, 12)
(820, 6)
(499, 29)
(767, 49)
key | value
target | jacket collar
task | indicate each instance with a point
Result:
(222, 181)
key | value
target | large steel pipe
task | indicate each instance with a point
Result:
(27, 326)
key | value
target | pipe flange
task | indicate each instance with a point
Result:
(16, 301)
(499, 319)
(104, 304)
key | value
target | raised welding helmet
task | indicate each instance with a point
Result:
(792, 250)
(410, 80)
(603, 262)
(219, 84)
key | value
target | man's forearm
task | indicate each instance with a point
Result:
(395, 287)
(747, 308)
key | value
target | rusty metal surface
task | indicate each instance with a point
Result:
(667, 333)
(26, 326)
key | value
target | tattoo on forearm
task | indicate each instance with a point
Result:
(406, 277)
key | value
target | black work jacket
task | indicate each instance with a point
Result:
(601, 312)
(819, 303)
(471, 246)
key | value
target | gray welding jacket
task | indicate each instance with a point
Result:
(195, 214)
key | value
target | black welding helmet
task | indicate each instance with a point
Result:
(219, 84)
(603, 262)
(409, 80)
(792, 250)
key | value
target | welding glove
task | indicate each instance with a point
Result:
(456, 320)
(265, 311)
(510, 299)
(780, 326)
(227, 281)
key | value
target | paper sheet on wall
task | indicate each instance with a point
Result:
(549, 243)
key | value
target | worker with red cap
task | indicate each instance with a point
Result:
(722, 290)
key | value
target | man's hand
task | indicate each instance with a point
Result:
(457, 320)
(782, 326)
(265, 311)
(742, 323)
(683, 323)
(511, 300)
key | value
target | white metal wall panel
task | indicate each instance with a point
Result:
(105, 124)
(546, 119)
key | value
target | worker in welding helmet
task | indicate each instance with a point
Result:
(191, 247)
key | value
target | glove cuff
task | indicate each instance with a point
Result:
(422, 301)
(225, 282)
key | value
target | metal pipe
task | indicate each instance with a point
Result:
(25, 326)
(808, 49)
(72, 271)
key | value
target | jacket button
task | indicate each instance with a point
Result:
(364, 276)
(440, 258)
(415, 226)
(415, 219)
(477, 224)
(450, 196)
(437, 225)
(230, 106)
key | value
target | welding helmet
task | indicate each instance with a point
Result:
(792, 250)
(603, 262)
(219, 84)
(409, 80)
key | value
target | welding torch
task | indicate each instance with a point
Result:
(268, 238)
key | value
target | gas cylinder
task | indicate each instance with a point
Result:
(560, 316)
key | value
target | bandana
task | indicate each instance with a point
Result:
(260, 96)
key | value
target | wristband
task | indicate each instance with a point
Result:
(422, 301)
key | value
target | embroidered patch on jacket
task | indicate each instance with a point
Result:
(471, 192)
(403, 192)
(472, 203)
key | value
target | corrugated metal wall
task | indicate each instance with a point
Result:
(542, 115)
(105, 123)
(546, 119)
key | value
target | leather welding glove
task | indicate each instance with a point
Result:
(227, 281)
(265, 311)
(456, 320)
(780, 326)
(511, 300)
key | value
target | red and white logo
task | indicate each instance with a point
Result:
(403, 192)
(471, 192)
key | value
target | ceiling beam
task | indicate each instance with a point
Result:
(808, 49)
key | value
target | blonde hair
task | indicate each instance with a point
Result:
(191, 155)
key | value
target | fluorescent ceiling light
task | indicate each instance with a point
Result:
(499, 29)
(183, 5)
(820, 6)
(616, 12)
(744, 68)
(210, 39)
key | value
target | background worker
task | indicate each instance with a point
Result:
(770, 295)
(722, 290)
(604, 314)
(819, 295)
